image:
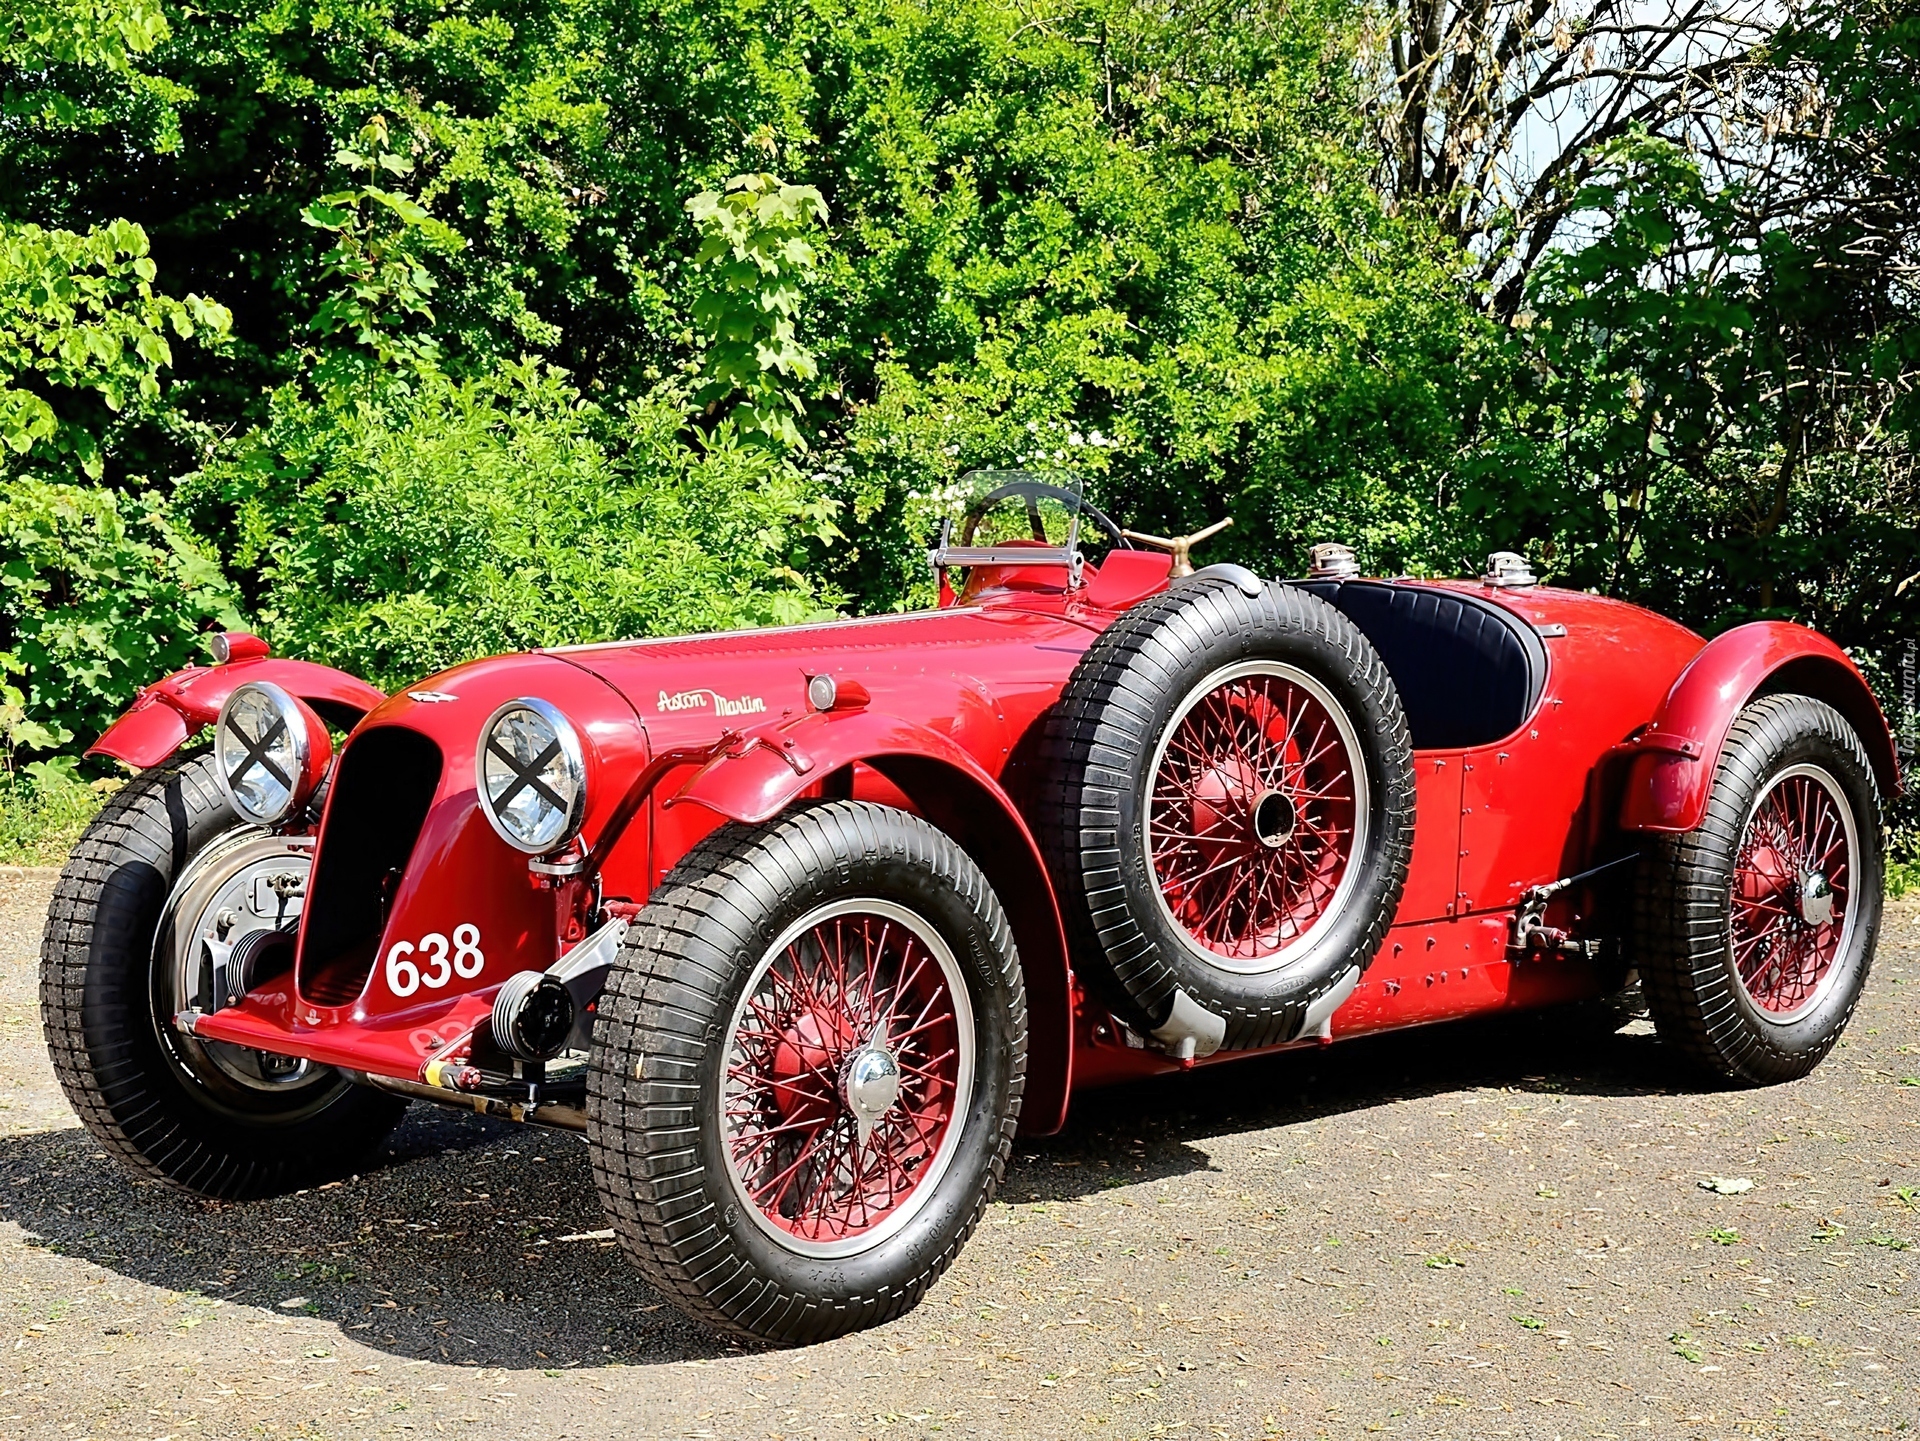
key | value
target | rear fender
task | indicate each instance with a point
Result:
(1672, 762)
(947, 786)
(170, 710)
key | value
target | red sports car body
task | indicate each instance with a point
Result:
(1609, 726)
(799, 925)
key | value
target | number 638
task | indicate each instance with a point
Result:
(434, 960)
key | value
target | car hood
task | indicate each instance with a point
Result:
(979, 675)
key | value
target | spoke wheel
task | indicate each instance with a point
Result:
(1258, 807)
(849, 1057)
(1754, 932)
(807, 1069)
(1788, 899)
(1226, 798)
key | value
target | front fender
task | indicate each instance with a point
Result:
(170, 710)
(1673, 760)
(755, 781)
(951, 790)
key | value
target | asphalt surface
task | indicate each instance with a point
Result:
(1490, 1229)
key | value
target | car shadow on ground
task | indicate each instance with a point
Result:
(1126, 1134)
(475, 1242)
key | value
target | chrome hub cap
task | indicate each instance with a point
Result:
(870, 1084)
(1816, 899)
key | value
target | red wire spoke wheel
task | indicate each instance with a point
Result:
(849, 1056)
(1226, 799)
(1754, 932)
(807, 1071)
(1258, 807)
(1791, 882)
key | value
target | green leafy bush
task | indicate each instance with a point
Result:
(43, 809)
(100, 594)
(396, 532)
(377, 312)
(90, 32)
(754, 260)
(78, 313)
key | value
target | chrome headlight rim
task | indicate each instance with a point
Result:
(290, 715)
(573, 756)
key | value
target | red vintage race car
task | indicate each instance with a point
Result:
(801, 925)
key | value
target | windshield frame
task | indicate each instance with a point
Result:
(1067, 487)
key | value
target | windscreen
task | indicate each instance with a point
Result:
(1010, 517)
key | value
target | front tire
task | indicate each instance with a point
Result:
(172, 1109)
(807, 1070)
(1756, 930)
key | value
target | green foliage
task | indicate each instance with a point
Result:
(1090, 218)
(43, 809)
(397, 532)
(79, 313)
(1152, 236)
(106, 33)
(494, 380)
(19, 731)
(1698, 437)
(99, 592)
(1858, 253)
(1902, 876)
(754, 259)
(1711, 422)
(378, 266)
(99, 595)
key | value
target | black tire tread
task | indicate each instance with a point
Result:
(1105, 716)
(1681, 894)
(150, 822)
(661, 1010)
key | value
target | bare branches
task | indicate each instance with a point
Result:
(1840, 104)
(1487, 112)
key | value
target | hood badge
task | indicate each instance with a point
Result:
(430, 697)
(713, 700)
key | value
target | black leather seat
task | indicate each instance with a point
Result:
(1469, 672)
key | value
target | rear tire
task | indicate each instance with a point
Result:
(141, 1090)
(845, 960)
(1755, 931)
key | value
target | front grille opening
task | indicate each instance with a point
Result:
(382, 789)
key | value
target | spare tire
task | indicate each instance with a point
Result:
(1227, 798)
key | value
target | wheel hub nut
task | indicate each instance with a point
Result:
(870, 1084)
(1816, 899)
(1273, 819)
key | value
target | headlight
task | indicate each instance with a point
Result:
(270, 751)
(532, 776)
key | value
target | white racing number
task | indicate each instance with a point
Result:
(433, 960)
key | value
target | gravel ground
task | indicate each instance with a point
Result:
(1493, 1229)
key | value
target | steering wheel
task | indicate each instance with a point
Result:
(1034, 490)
